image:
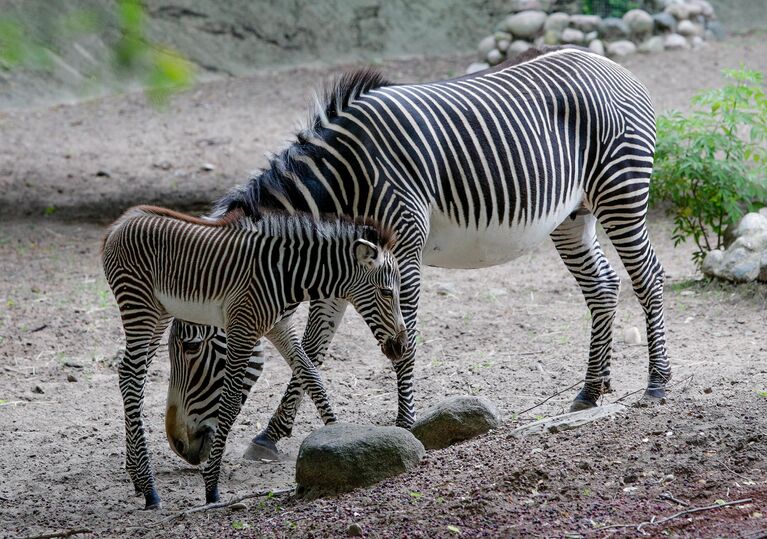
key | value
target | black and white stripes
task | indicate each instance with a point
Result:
(474, 171)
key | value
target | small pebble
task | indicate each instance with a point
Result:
(631, 336)
(38, 390)
(71, 378)
(239, 506)
(707, 390)
(354, 530)
(208, 167)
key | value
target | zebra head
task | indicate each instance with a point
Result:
(198, 357)
(374, 293)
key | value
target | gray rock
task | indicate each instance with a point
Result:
(675, 42)
(341, 457)
(664, 22)
(762, 277)
(591, 36)
(525, 24)
(653, 44)
(689, 28)
(639, 22)
(741, 265)
(612, 28)
(495, 57)
(445, 289)
(485, 46)
(551, 37)
(697, 42)
(503, 45)
(477, 66)
(530, 5)
(354, 530)
(503, 36)
(717, 30)
(763, 212)
(678, 11)
(556, 21)
(597, 46)
(707, 10)
(712, 263)
(694, 9)
(518, 47)
(571, 35)
(456, 419)
(750, 224)
(620, 49)
(755, 241)
(585, 23)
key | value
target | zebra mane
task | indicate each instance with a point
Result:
(282, 223)
(278, 179)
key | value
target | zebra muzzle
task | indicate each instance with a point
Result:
(394, 347)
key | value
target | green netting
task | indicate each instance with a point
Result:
(610, 8)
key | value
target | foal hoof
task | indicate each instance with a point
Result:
(212, 496)
(260, 448)
(152, 501)
(652, 396)
(579, 404)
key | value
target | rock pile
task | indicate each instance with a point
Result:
(676, 24)
(744, 258)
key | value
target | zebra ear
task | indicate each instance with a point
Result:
(366, 253)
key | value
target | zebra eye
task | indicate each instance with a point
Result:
(387, 292)
(191, 346)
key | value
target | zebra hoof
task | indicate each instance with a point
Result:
(212, 496)
(261, 447)
(580, 404)
(653, 395)
(152, 501)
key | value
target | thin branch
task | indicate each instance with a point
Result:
(654, 522)
(221, 505)
(63, 533)
(579, 382)
(670, 497)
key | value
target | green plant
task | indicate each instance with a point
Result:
(608, 8)
(711, 164)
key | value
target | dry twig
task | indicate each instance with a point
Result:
(547, 399)
(62, 533)
(653, 522)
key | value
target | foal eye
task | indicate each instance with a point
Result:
(387, 292)
(191, 346)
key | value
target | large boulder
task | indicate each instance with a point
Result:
(620, 49)
(664, 22)
(675, 42)
(751, 224)
(557, 21)
(652, 44)
(585, 23)
(456, 419)
(525, 24)
(613, 28)
(639, 22)
(572, 36)
(341, 457)
(689, 29)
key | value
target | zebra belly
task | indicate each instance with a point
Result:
(209, 313)
(454, 246)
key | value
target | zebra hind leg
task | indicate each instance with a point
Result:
(577, 245)
(632, 242)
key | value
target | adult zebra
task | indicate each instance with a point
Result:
(472, 172)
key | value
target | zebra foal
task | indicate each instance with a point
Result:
(242, 275)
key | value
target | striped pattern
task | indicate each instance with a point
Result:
(474, 171)
(243, 276)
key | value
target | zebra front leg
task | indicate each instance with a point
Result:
(142, 337)
(410, 291)
(240, 342)
(577, 245)
(324, 317)
(285, 339)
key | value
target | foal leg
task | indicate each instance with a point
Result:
(324, 318)
(577, 245)
(142, 336)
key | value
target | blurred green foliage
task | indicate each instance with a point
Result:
(609, 8)
(133, 57)
(711, 164)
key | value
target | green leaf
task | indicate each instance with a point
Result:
(720, 502)
(762, 394)
(415, 494)
(240, 525)
(454, 529)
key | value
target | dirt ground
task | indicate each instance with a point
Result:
(516, 334)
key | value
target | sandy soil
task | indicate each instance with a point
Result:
(516, 334)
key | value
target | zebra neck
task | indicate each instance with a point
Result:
(321, 270)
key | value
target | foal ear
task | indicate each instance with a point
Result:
(366, 253)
